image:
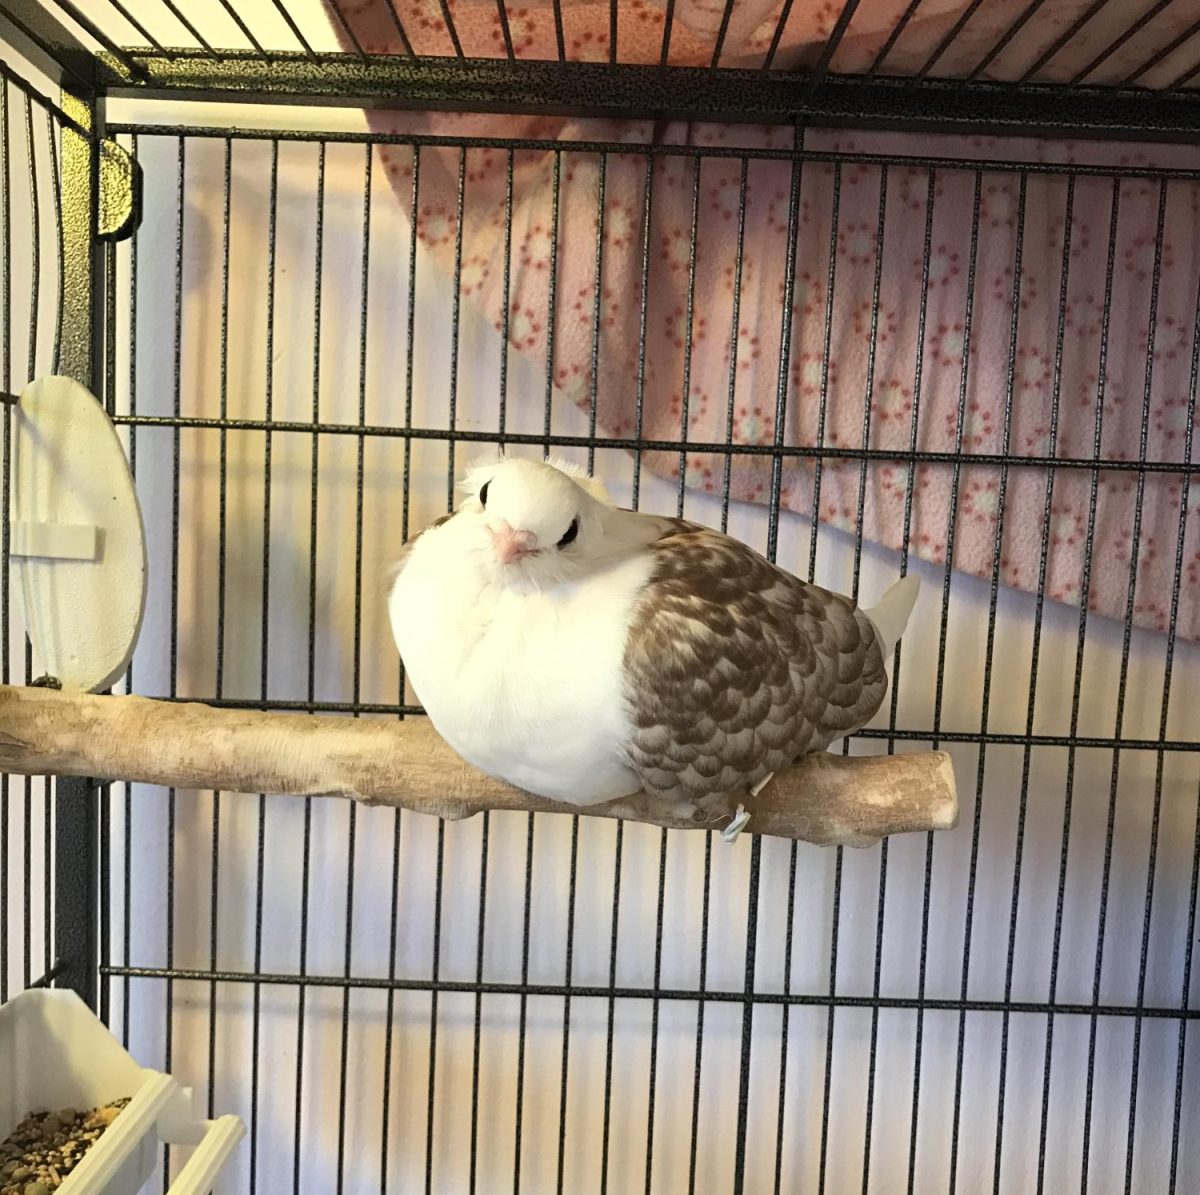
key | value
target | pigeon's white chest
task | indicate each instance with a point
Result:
(528, 688)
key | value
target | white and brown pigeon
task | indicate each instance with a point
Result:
(584, 652)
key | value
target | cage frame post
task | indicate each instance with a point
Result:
(77, 861)
(76, 888)
(48, 45)
(614, 90)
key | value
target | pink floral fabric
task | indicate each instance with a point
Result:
(889, 346)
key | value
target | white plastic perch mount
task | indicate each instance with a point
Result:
(77, 544)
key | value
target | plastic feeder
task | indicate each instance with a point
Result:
(56, 1053)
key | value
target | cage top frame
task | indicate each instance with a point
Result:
(53, 34)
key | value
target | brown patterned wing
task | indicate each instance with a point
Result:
(734, 668)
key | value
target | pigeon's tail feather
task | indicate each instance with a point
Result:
(890, 616)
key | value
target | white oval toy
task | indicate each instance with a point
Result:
(77, 544)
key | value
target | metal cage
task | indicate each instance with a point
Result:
(548, 1004)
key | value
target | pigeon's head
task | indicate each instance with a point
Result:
(540, 522)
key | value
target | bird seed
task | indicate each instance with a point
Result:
(38, 1156)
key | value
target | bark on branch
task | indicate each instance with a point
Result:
(852, 801)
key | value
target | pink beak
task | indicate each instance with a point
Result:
(511, 545)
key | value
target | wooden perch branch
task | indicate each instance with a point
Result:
(824, 798)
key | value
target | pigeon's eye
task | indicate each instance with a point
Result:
(483, 493)
(571, 533)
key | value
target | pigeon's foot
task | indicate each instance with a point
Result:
(704, 811)
(714, 812)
